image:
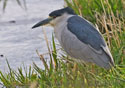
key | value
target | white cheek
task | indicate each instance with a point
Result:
(60, 20)
(55, 21)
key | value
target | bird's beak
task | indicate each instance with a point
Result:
(44, 22)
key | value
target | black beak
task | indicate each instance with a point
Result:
(41, 23)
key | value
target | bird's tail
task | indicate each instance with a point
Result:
(105, 59)
(109, 55)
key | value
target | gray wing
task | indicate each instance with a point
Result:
(90, 36)
(85, 32)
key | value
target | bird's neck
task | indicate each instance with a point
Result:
(60, 24)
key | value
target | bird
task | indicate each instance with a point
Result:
(78, 37)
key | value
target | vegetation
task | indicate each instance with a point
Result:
(21, 3)
(65, 72)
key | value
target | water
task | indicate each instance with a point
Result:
(18, 42)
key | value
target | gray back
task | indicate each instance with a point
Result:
(85, 32)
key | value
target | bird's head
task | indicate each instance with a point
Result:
(54, 16)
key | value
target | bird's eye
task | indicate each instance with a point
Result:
(54, 16)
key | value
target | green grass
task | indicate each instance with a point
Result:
(65, 72)
(21, 4)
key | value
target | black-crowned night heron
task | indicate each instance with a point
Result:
(79, 38)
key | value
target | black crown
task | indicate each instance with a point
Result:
(59, 12)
